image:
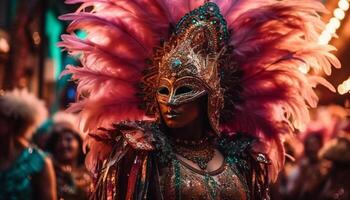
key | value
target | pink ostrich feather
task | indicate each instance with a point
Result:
(270, 44)
(271, 39)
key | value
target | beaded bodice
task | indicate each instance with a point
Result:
(144, 165)
(222, 184)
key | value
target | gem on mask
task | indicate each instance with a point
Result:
(175, 63)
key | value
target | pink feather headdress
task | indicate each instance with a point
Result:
(271, 40)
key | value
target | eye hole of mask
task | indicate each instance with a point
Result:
(183, 90)
(163, 91)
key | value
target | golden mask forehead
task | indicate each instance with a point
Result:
(183, 60)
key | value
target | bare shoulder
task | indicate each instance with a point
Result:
(45, 181)
(47, 175)
(48, 165)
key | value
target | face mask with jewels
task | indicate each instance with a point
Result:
(186, 67)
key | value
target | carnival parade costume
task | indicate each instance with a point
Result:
(243, 56)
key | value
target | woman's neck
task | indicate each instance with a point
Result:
(193, 131)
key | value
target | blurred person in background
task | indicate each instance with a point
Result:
(293, 151)
(65, 144)
(25, 171)
(337, 151)
(42, 134)
(307, 179)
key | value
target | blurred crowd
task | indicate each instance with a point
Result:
(317, 164)
(42, 157)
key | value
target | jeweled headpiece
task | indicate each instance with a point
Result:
(186, 67)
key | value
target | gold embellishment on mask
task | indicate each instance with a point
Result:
(186, 67)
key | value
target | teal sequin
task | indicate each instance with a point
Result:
(236, 155)
(212, 185)
(177, 179)
(209, 12)
(236, 150)
(176, 63)
(16, 182)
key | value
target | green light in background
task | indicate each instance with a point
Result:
(81, 34)
(12, 12)
(53, 30)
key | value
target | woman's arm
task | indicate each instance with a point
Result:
(45, 182)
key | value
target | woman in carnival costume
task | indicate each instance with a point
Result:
(66, 147)
(188, 99)
(25, 171)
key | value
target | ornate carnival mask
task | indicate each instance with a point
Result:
(186, 67)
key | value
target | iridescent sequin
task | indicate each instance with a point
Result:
(181, 180)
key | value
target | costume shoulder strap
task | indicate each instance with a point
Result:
(114, 142)
(252, 165)
(119, 172)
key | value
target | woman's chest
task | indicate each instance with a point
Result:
(181, 180)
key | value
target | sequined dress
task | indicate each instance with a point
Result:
(16, 182)
(225, 183)
(142, 168)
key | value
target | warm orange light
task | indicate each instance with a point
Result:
(324, 38)
(344, 87)
(339, 13)
(343, 4)
(334, 23)
(36, 38)
(4, 45)
(304, 69)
